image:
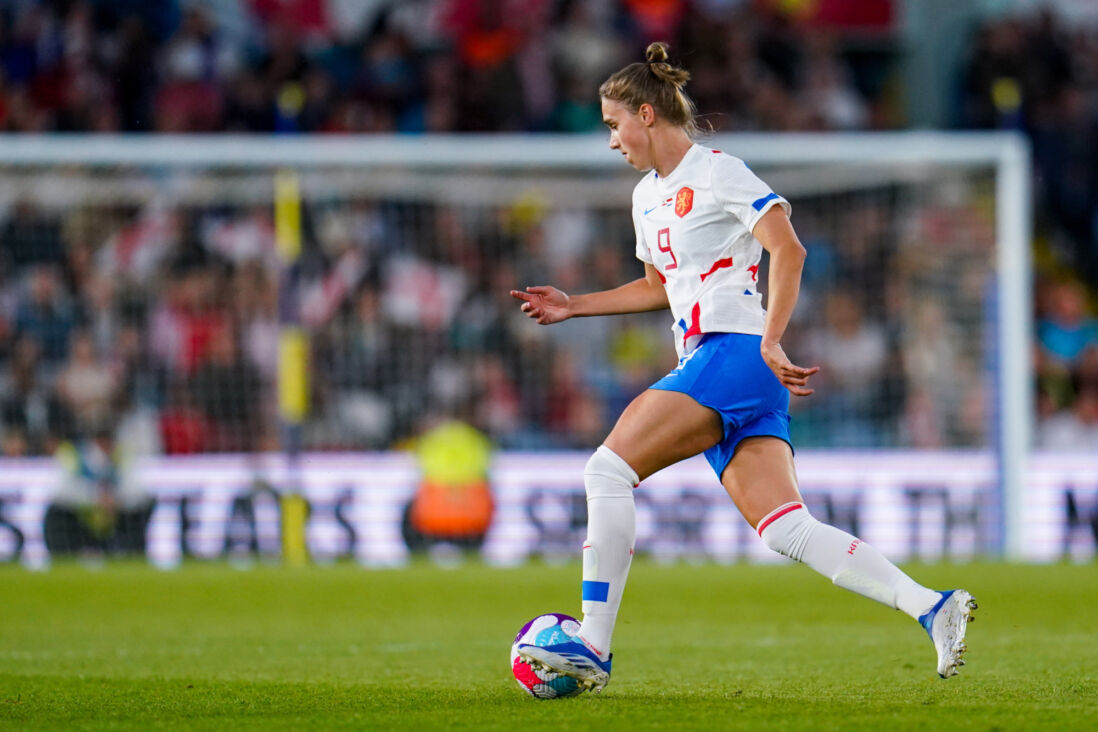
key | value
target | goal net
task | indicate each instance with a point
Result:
(225, 295)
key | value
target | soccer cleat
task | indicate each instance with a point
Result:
(946, 623)
(571, 658)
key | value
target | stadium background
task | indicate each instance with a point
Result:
(164, 321)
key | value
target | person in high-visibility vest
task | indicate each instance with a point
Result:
(98, 506)
(453, 502)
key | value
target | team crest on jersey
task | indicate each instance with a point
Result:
(684, 201)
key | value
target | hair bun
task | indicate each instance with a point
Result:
(656, 82)
(661, 68)
(656, 53)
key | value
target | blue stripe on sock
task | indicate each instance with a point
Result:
(596, 591)
(758, 205)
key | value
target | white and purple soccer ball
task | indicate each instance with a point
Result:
(544, 630)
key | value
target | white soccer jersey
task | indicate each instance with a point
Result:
(694, 227)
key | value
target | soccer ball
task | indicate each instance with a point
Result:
(544, 630)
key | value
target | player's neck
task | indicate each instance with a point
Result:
(671, 145)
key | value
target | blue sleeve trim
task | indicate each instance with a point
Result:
(758, 205)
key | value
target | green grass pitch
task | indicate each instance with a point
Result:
(697, 647)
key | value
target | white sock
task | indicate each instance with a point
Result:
(849, 562)
(608, 551)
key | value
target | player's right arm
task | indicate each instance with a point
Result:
(549, 305)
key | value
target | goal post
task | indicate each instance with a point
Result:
(874, 200)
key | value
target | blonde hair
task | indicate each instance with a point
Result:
(654, 82)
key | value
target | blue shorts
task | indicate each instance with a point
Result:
(727, 373)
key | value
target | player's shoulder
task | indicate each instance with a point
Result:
(733, 177)
(726, 163)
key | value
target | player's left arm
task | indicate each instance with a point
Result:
(787, 256)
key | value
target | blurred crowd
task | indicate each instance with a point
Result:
(1036, 74)
(166, 318)
(419, 65)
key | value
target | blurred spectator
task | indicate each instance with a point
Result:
(361, 380)
(134, 74)
(249, 107)
(574, 416)
(255, 310)
(993, 79)
(389, 78)
(1066, 330)
(852, 353)
(585, 50)
(827, 89)
(28, 236)
(498, 408)
(1075, 428)
(182, 425)
(933, 368)
(99, 309)
(99, 508)
(139, 393)
(186, 320)
(309, 18)
(487, 38)
(453, 505)
(34, 420)
(86, 385)
(228, 390)
(45, 314)
(1067, 344)
(190, 96)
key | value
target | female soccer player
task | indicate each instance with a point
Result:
(702, 219)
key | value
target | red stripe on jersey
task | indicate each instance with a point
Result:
(660, 275)
(719, 264)
(695, 324)
(774, 517)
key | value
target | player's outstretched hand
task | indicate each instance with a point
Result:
(544, 304)
(793, 377)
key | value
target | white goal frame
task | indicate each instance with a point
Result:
(1008, 154)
